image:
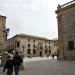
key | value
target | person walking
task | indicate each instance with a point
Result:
(17, 60)
(9, 65)
(53, 56)
(22, 56)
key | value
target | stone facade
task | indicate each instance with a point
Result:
(66, 30)
(2, 34)
(54, 46)
(31, 46)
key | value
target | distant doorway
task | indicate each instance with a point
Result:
(40, 53)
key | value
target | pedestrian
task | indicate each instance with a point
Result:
(17, 60)
(9, 65)
(22, 56)
(53, 56)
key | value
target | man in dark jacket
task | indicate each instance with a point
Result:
(9, 66)
(17, 60)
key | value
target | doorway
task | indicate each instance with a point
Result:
(40, 53)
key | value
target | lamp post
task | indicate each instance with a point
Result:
(6, 31)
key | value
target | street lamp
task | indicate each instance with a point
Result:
(6, 31)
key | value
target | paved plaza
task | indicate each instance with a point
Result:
(46, 66)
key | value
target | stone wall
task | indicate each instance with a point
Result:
(66, 31)
(2, 27)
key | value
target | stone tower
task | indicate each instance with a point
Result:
(66, 30)
(2, 33)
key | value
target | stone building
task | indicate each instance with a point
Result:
(2, 33)
(30, 46)
(66, 30)
(3, 39)
(54, 46)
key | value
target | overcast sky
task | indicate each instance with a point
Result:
(33, 17)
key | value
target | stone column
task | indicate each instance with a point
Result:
(60, 38)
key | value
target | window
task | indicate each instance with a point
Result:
(28, 40)
(49, 51)
(28, 45)
(34, 51)
(34, 46)
(49, 47)
(45, 51)
(41, 47)
(45, 47)
(18, 43)
(29, 51)
(71, 45)
(34, 41)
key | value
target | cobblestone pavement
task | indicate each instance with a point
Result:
(47, 67)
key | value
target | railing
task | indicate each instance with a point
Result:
(67, 4)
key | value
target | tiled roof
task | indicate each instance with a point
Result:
(31, 36)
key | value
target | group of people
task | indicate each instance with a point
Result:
(13, 63)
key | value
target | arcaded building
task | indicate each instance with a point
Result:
(30, 46)
(66, 30)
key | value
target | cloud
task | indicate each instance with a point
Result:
(35, 17)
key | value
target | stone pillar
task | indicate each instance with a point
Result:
(60, 38)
